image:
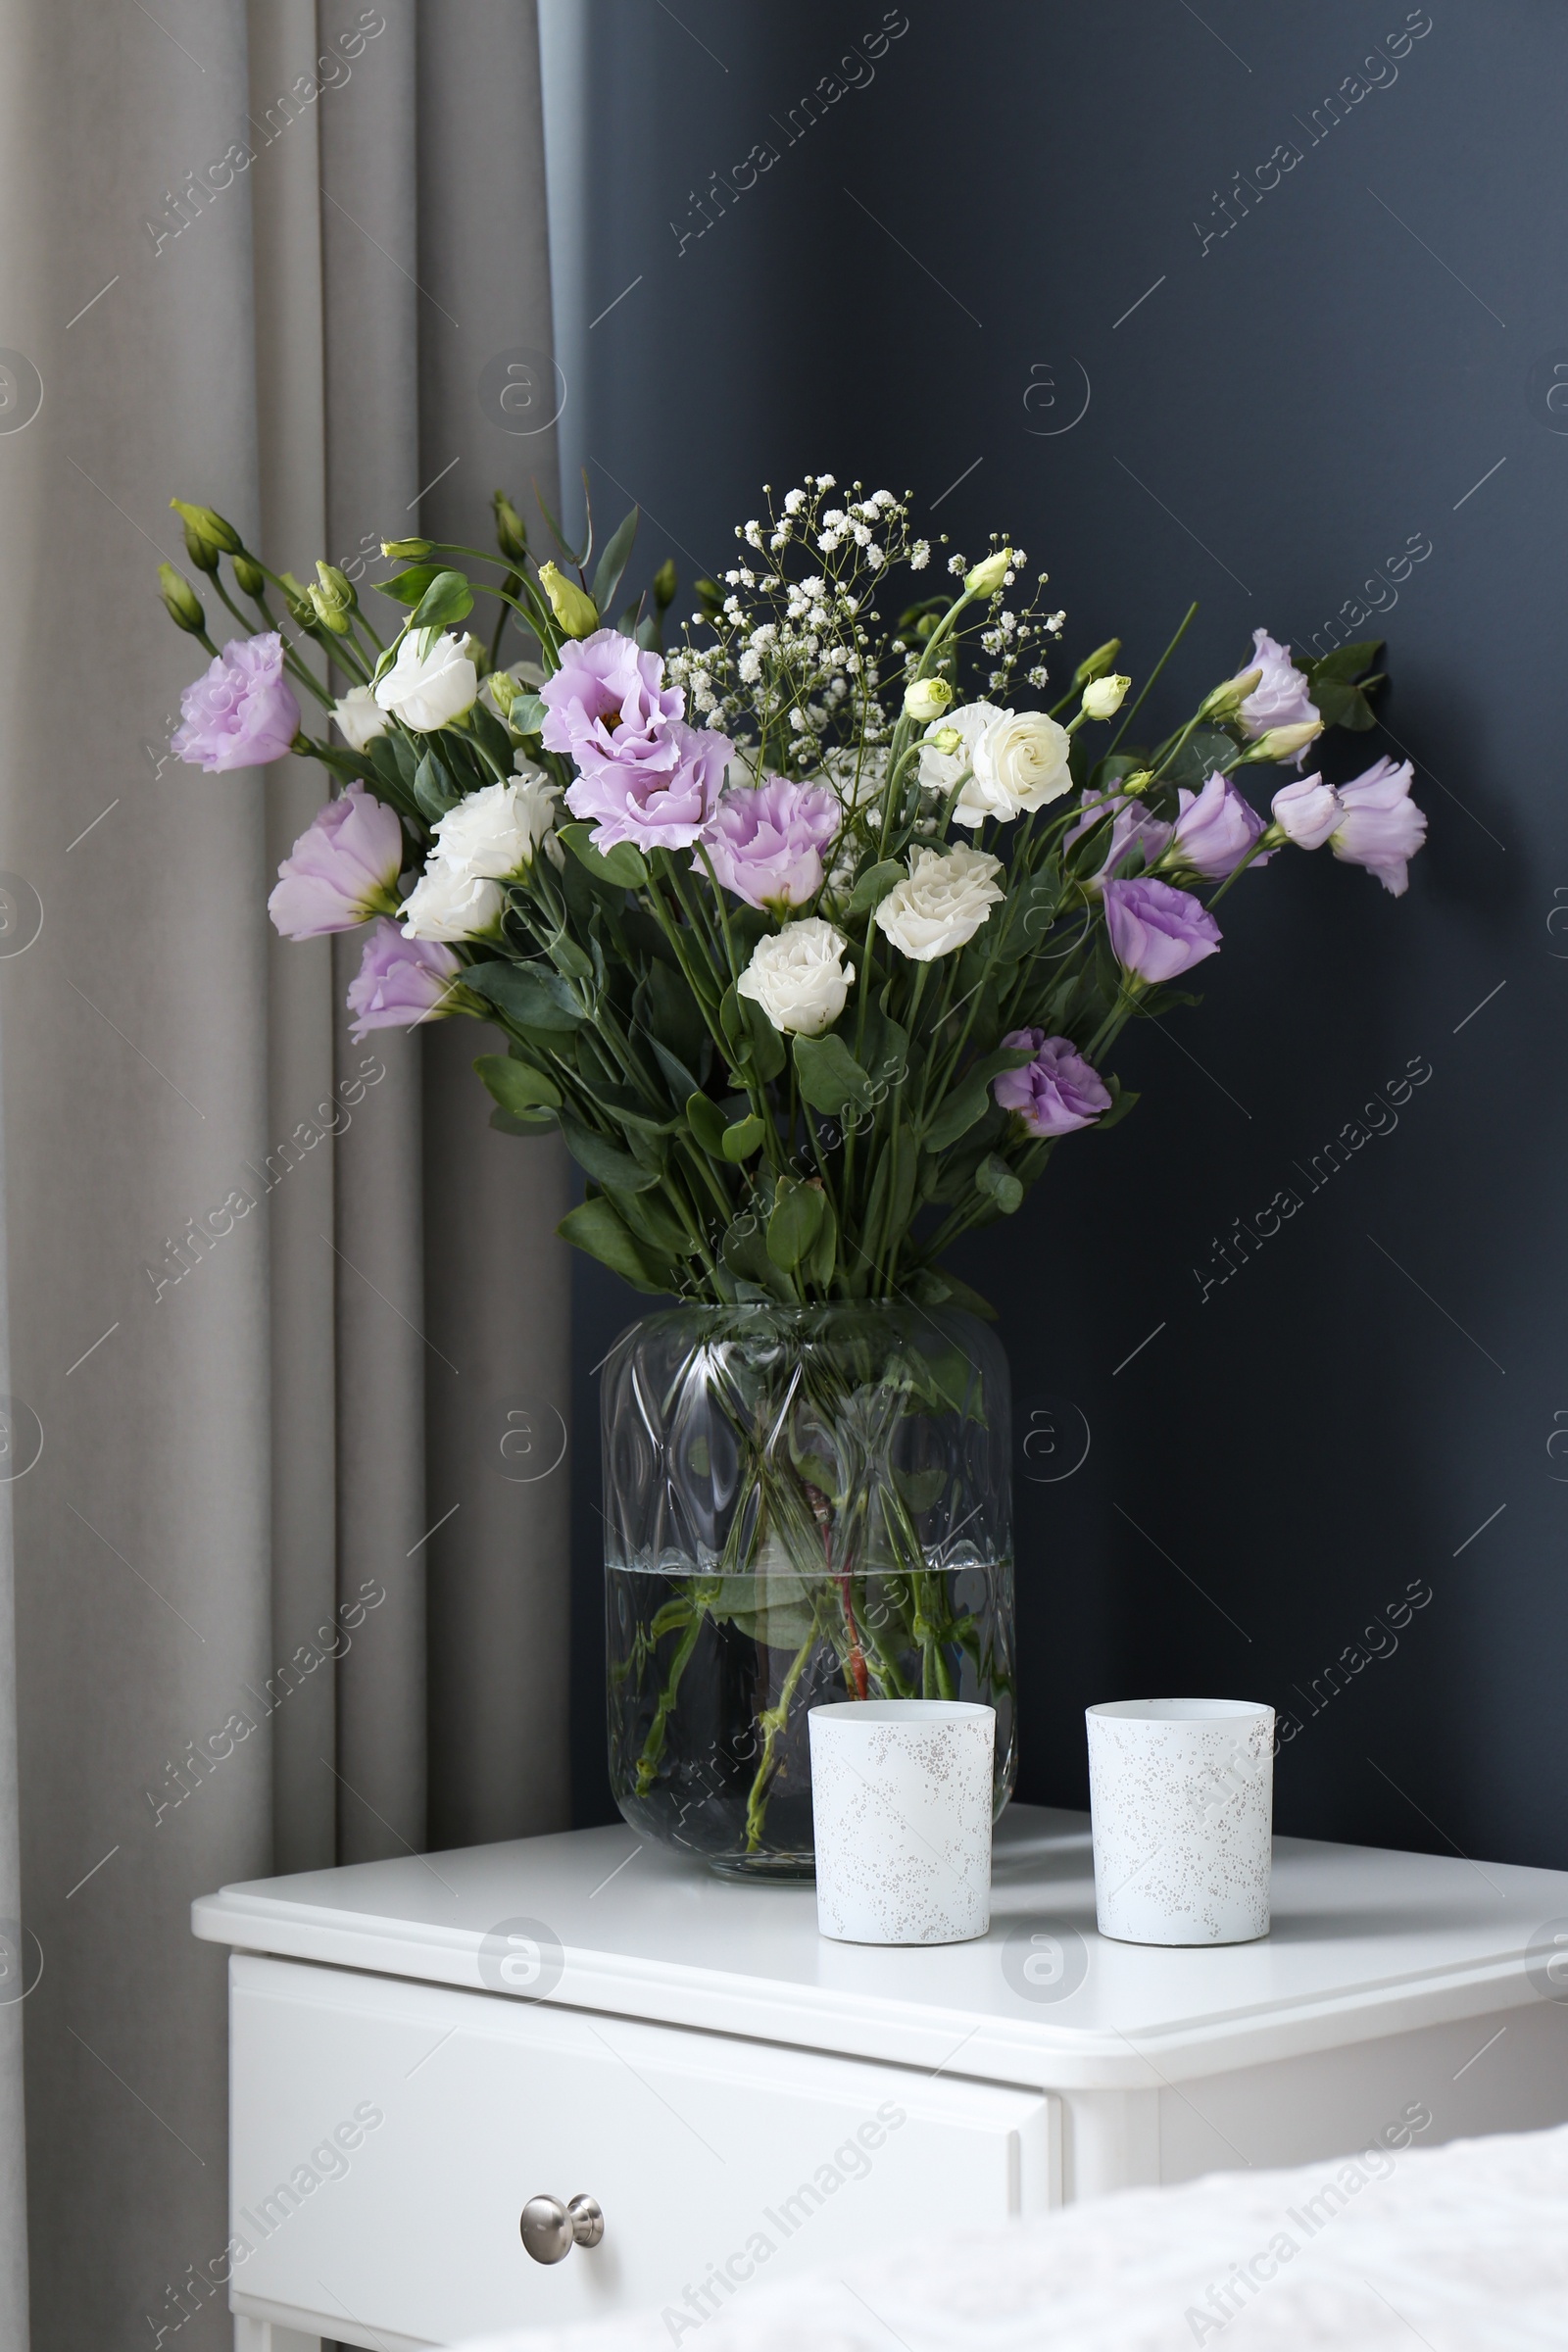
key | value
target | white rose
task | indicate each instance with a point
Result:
(444, 905)
(1021, 762)
(360, 719)
(939, 771)
(493, 834)
(428, 692)
(799, 976)
(947, 897)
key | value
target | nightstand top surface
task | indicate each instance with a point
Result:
(1364, 1942)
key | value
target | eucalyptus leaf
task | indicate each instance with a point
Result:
(997, 1181)
(740, 1140)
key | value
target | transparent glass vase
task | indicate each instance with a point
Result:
(801, 1504)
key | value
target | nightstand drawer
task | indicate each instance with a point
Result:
(386, 2135)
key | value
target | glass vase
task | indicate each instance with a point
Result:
(801, 1504)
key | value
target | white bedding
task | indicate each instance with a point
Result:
(1463, 2248)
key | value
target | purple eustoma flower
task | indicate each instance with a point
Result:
(1281, 698)
(1055, 1092)
(608, 706)
(1132, 826)
(1157, 933)
(655, 808)
(1306, 812)
(343, 867)
(400, 981)
(767, 841)
(1215, 831)
(241, 711)
(1381, 827)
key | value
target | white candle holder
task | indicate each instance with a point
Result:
(1182, 1797)
(901, 1806)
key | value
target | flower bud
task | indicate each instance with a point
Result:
(664, 584)
(571, 605)
(987, 577)
(511, 537)
(180, 600)
(1095, 664)
(328, 612)
(1227, 700)
(210, 526)
(504, 690)
(1139, 781)
(946, 740)
(250, 576)
(406, 550)
(926, 699)
(296, 596)
(336, 586)
(1103, 697)
(1283, 743)
(202, 552)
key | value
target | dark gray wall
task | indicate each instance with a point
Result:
(1294, 401)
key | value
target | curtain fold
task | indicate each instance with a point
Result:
(278, 1300)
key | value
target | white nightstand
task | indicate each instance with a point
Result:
(419, 2046)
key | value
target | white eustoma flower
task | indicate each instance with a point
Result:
(1103, 697)
(939, 771)
(493, 834)
(444, 905)
(799, 976)
(426, 692)
(359, 717)
(1020, 762)
(945, 899)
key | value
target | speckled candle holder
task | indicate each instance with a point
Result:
(1181, 1794)
(901, 1805)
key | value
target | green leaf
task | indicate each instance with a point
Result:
(934, 1285)
(491, 735)
(969, 1098)
(622, 867)
(654, 1225)
(1345, 662)
(447, 598)
(818, 1262)
(433, 788)
(406, 587)
(604, 1161)
(873, 886)
(795, 1221)
(997, 1181)
(1121, 1103)
(739, 1141)
(597, 1229)
(526, 994)
(518, 1086)
(830, 1078)
(760, 1039)
(613, 563)
(672, 1015)
(527, 714)
(528, 1122)
(1205, 749)
(707, 1122)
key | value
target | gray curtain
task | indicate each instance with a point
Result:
(274, 284)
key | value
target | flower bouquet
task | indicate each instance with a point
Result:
(812, 956)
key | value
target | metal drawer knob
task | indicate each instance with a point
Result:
(549, 2230)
